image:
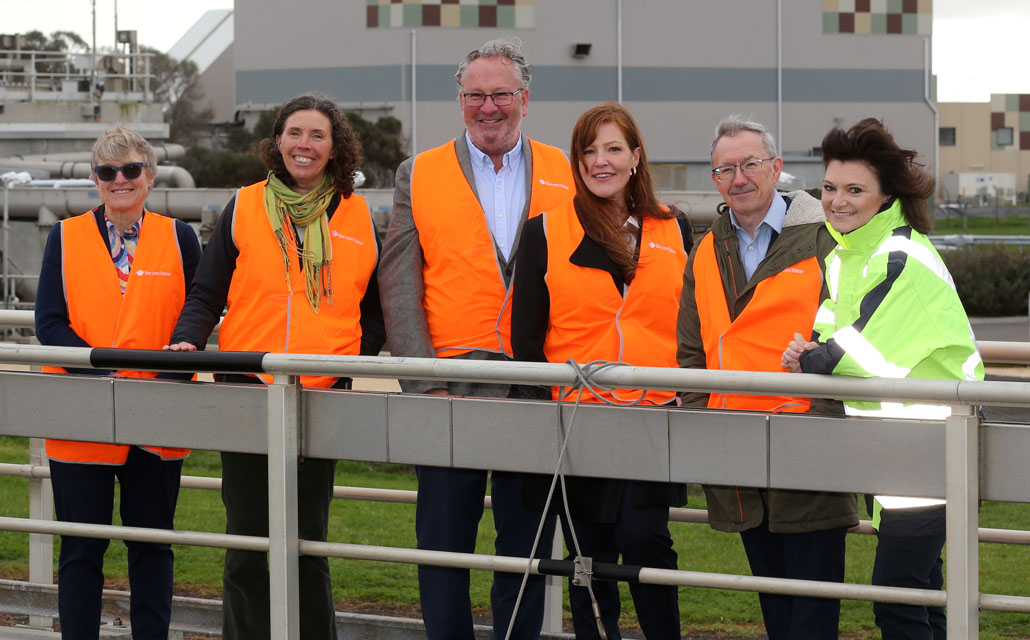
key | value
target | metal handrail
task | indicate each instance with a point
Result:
(284, 401)
(955, 392)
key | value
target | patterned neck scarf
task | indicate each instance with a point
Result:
(307, 211)
(123, 249)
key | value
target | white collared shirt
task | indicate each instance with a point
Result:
(501, 193)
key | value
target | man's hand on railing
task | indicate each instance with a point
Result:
(792, 354)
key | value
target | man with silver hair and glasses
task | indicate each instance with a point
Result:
(751, 282)
(446, 271)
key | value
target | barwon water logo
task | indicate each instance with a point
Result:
(337, 234)
(655, 245)
(553, 184)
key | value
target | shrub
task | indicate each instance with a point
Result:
(223, 169)
(992, 280)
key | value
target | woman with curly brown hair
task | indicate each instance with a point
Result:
(294, 256)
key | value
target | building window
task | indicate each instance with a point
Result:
(947, 136)
(1005, 138)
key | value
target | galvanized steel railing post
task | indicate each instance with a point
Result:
(41, 546)
(553, 589)
(963, 492)
(283, 424)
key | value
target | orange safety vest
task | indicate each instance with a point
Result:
(98, 312)
(465, 299)
(590, 320)
(782, 304)
(268, 310)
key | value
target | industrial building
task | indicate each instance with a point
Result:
(985, 149)
(801, 66)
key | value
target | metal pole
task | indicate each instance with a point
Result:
(935, 138)
(553, 589)
(779, 74)
(414, 101)
(283, 551)
(963, 489)
(41, 546)
(93, 60)
(618, 50)
(7, 256)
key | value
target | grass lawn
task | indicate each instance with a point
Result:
(362, 585)
(983, 226)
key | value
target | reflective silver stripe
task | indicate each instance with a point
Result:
(866, 355)
(904, 502)
(833, 276)
(900, 410)
(969, 366)
(919, 252)
(825, 316)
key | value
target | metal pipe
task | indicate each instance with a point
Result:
(1014, 604)
(955, 392)
(163, 152)
(618, 50)
(7, 255)
(178, 177)
(414, 101)
(935, 138)
(404, 496)
(1004, 352)
(779, 74)
(135, 534)
(646, 575)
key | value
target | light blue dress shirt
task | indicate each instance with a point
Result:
(501, 193)
(753, 250)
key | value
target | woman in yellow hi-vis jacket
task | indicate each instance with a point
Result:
(893, 312)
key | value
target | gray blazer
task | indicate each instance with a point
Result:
(400, 278)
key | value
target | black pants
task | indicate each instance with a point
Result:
(641, 536)
(85, 493)
(450, 505)
(903, 561)
(815, 555)
(245, 601)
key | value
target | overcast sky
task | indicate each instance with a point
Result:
(979, 46)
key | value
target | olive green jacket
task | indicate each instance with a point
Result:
(740, 508)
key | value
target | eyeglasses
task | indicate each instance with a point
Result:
(750, 169)
(131, 171)
(500, 99)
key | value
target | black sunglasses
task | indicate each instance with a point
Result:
(131, 171)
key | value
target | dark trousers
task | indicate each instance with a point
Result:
(909, 562)
(641, 536)
(85, 493)
(450, 505)
(815, 555)
(245, 601)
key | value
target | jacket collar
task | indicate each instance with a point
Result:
(872, 233)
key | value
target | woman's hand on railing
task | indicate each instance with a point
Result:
(179, 346)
